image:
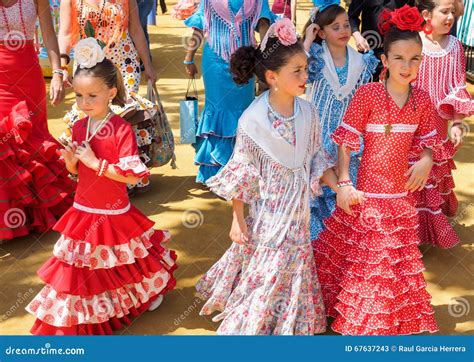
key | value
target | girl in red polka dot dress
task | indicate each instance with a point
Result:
(443, 75)
(368, 261)
(109, 264)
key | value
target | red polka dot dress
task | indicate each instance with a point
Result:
(442, 75)
(369, 265)
(109, 263)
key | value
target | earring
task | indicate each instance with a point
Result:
(428, 28)
(110, 102)
(383, 74)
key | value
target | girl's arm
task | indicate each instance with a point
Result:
(238, 231)
(64, 33)
(329, 178)
(346, 195)
(56, 92)
(293, 11)
(139, 40)
(420, 171)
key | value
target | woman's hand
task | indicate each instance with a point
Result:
(67, 80)
(361, 43)
(238, 231)
(85, 154)
(68, 153)
(418, 174)
(150, 74)
(191, 69)
(56, 89)
(348, 196)
(456, 134)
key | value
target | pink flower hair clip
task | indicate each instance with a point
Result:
(282, 29)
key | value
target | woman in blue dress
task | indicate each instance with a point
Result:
(336, 71)
(227, 25)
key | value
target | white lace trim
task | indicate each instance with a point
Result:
(131, 163)
(350, 128)
(396, 128)
(431, 134)
(101, 211)
(442, 52)
(385, 196)
(429, 210)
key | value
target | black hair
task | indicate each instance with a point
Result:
(395, 34)
(108, 72)
(428, 5)
(248, 61)
(324, 18)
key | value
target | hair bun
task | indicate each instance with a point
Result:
(242, 64)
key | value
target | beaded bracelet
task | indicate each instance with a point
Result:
(344, 183)
(103, 165)
(58, 71)
(188, 62)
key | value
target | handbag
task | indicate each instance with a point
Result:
(162, 148)
(188, 115)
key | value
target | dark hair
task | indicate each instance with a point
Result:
(248, 61)
(395, 34)
(108, 72)
(428, 5)
(324, 18)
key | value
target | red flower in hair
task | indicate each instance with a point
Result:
(384, 21)
(407, 18)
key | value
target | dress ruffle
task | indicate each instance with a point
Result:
(237, 181)
(458, 103)
(370, 270)
(35, 189)
(132, 166)
(344, 137)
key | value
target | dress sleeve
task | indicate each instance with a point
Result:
(196, 20)
(371, 62)
(350, 131)
(426, 135)
(129, 162)
(239, 178)
(355, 8)
(315, 63)
(459, 100)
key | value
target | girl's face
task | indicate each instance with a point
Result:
(403, 61)
(93, 95)
(442, 16)
(338, 33)
(292, 77)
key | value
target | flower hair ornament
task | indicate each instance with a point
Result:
(321, 5)
(89, 51)
(404, 18)
(282, 29)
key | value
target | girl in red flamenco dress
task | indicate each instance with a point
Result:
(442, 75)
(35, 189)
(367, 259)
(109, 264)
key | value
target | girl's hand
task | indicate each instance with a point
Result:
(238, 231)
(56, 89)
(418, 174)
(456, 134)
(310, 35)
(348, 196)
(150, 74)
(191, 69)
(68, 153)
(85, 154)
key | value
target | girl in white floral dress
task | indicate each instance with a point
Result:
(266, 281)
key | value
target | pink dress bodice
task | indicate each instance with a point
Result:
(18, 22)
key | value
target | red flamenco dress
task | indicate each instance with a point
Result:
(109, 264)
(35, 189)
(369, 265)
(443, 75)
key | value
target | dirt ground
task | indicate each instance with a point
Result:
(199, 223)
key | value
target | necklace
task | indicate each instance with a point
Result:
(296, 109)
(99, 127)
(99, 18)
(389, 126)
(5, 18)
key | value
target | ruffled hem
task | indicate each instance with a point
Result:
(82, 254)
(214, 151)
(431, 141)
(436, 230)
(237, 180)
(221, 123)
(206, 172)
(97, 229)
(344, 137)
(35, 189)
(459, 103)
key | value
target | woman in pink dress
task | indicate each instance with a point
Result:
(34, 187)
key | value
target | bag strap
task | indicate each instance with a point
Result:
(152, 93)
(192, 82)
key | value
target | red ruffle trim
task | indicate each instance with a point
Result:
(344, 137)
(436, 230)
(111, 230)
(451, 105)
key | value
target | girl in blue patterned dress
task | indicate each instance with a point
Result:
(335, 72)
(227, 25)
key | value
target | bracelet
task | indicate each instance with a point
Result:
(344, 183)
(58, 71)
(65, 56)
(188, 62)
(103, 165)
